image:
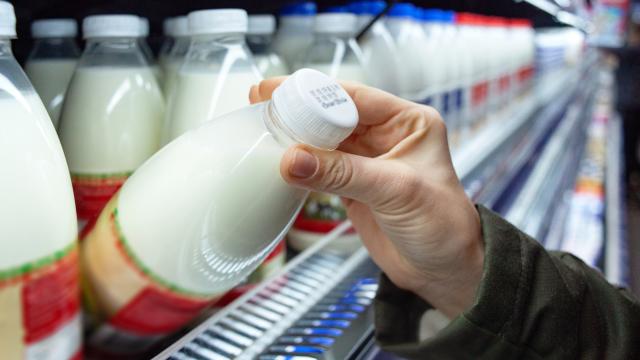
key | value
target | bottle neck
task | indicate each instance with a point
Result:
(224, 38)
(5, 47)
(116, 51)
(333, 35)
(55, 48)
(259, 43)
(276, 126)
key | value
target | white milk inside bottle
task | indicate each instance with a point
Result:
(111, 119)
(39, 298)
(295, 32)
(52, 61)
(176, 54)
(203, 212)
(379, 53)
(147, 52)
(259, 40)
(435, 64)
(217, 73)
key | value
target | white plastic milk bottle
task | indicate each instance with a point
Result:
(259, 40)
(169, 38)
(217, 74)
(39, 298)
(295, 31)
(112, 115)
(334, 51)
(203, 212)
(175, 57)
(379, 52)
(52, 61)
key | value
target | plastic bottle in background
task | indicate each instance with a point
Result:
(525, 38)
(436, 63)
(111, 120)
(174, 59)
(497, 66)
(52, 61)
(217, 73)
(169, 38)
(146, 50)
(229, 207)
(295, 31)
(379, 53)
(409, 39)
(334, 51)
(259, 40)
(456, 65)
(39, 299)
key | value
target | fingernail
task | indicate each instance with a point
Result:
(304, 164)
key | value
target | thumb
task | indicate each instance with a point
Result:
(368, 180)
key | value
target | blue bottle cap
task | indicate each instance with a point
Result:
(402, 10)
(337, 9)
(432, 15)
(300, 8)
(367, 7)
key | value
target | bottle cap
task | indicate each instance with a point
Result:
(337, 9)
(261, 24)
(315, 109)
(111, 26)
(431, 15)
(367, 7)
(402, 10)
(54, 28)
(300, 8)
(144, 27)
(7, 20)
(219, 21)
(335, 23)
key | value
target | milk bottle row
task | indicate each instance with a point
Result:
(192, 220)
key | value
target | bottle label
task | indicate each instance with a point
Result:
(92, 192)
(120, 292)
(40, 308)
(479, 93)
(504, 83)
(459, 99)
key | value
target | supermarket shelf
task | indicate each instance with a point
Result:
(616, 263)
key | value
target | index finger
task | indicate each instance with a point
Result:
(374, 106)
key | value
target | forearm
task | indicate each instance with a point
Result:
(530, 303)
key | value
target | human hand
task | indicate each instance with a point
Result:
(401, 193)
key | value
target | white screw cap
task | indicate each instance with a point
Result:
(261, 24)
(330, 23)
(7, 20)
(54, 28)
(315, 109)
(176, 26)
(111, 26)
(144, 27)
(219, 21)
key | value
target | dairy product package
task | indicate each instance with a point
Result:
(334, 51)
(39, 297)
(410, 40)
(295, 31)
(171, 61)
(217, 73)
(111, 119)
(52, 61)
(169, 38)
(379, 53)
(201, 214)
(259, 40)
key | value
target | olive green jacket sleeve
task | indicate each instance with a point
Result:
(531, 304)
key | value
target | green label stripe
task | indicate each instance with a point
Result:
(106, 176)
(157, 279)
(32, 266)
